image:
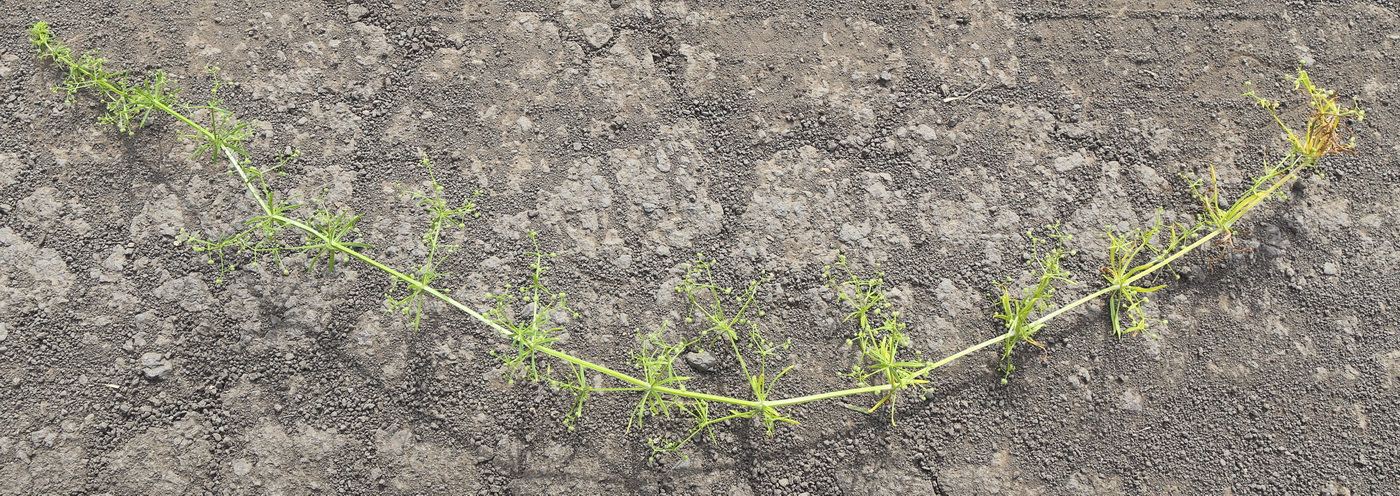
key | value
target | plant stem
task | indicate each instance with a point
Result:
(1244, 206)
(1252, 202)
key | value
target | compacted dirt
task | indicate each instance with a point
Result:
(922, 138)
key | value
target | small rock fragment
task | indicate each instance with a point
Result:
(702, 361)
(1132, 401)
(598, 34)
(356, 11)
(154, 365)
(925, 132)
(1069, 162)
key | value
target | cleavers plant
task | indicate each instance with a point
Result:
(719, 318)
(443, 215)
(1016, 311)
(881, 344)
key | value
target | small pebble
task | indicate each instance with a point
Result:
(702, 362)
(356, 11)
(154, 365)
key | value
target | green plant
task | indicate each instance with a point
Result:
(1321, 136)
(881, 345)
(1125, 251)
(442, 216)
(526, 314)
(657, 361)
(535, 330)
(707, 300)
(1016, 311)
(129, 105)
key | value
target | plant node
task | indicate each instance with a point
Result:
(879, 333)
(656, 359)
(1016, 310)
(753, 352)
(442, 216)
(1126, 252)
(534, 328)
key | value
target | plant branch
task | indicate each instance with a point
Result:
(881, 344)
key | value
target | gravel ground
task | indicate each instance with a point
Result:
(922, 138)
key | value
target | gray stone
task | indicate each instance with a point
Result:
(1132, 401)
(598, 34)
(356, 11)
(1329, 268)
(1069, 162)
(851, 233)
(703, 361)
(154, 364)
(925, 132)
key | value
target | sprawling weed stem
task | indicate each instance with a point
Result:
(880, 335)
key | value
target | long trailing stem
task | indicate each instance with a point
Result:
(1308, 150)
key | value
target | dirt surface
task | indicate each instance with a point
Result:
(924, 137)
